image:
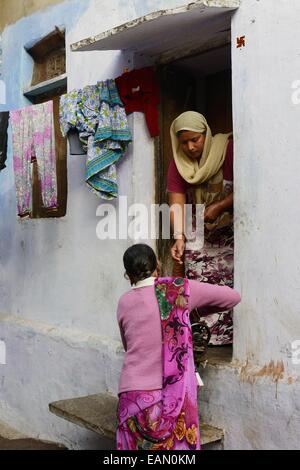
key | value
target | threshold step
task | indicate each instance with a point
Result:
(98, 413)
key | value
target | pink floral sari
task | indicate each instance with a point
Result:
(165, 419)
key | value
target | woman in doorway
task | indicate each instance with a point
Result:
(202, 173)
(158, 387)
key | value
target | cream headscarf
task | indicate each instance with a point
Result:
(209, 168)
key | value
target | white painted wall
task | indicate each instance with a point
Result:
(45, 363)
(59, 266)
(56, 272)
(256, 410)
(267, 186)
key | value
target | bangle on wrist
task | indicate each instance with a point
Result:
(179, 236)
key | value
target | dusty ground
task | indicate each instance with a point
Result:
(12, 439)
(27, 444)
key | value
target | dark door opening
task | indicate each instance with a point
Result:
(200, 83)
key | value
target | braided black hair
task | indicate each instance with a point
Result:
(140, 262)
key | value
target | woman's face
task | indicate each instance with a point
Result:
(192, 143)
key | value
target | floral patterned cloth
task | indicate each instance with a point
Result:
(98, 114)
(214, 264)
(80, 109)
(165, 419)
(34, 139)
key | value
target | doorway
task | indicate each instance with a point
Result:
(199, 83)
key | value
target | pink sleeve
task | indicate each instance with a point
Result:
(119, 318)
(175, 182)
(203, 294)
(228, 163)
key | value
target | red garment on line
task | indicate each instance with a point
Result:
(139, 91)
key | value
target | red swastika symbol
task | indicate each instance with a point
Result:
(240, 42)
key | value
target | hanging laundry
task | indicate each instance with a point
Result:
(34, 140)
(98, 115)
(79, 110)
(139, 91)
(109, 143)
(4, 117)
(68, 115)
(76, 118)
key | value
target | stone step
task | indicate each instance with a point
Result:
(98, 413)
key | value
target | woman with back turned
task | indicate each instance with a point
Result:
(158, 386)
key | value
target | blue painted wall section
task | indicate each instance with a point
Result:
(17, 64)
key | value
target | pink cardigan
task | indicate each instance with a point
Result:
(140, 327)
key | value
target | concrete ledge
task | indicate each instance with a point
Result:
(56, 83)
(98, 413)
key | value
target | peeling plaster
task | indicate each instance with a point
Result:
(250, 373)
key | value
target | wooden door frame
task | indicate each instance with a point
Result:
(158, 143)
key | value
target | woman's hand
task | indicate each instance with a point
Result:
(177, 251)
(212, 212)
(217, 208)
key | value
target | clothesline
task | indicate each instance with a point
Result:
(94, 119)
(98, 115)
(138, 90)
